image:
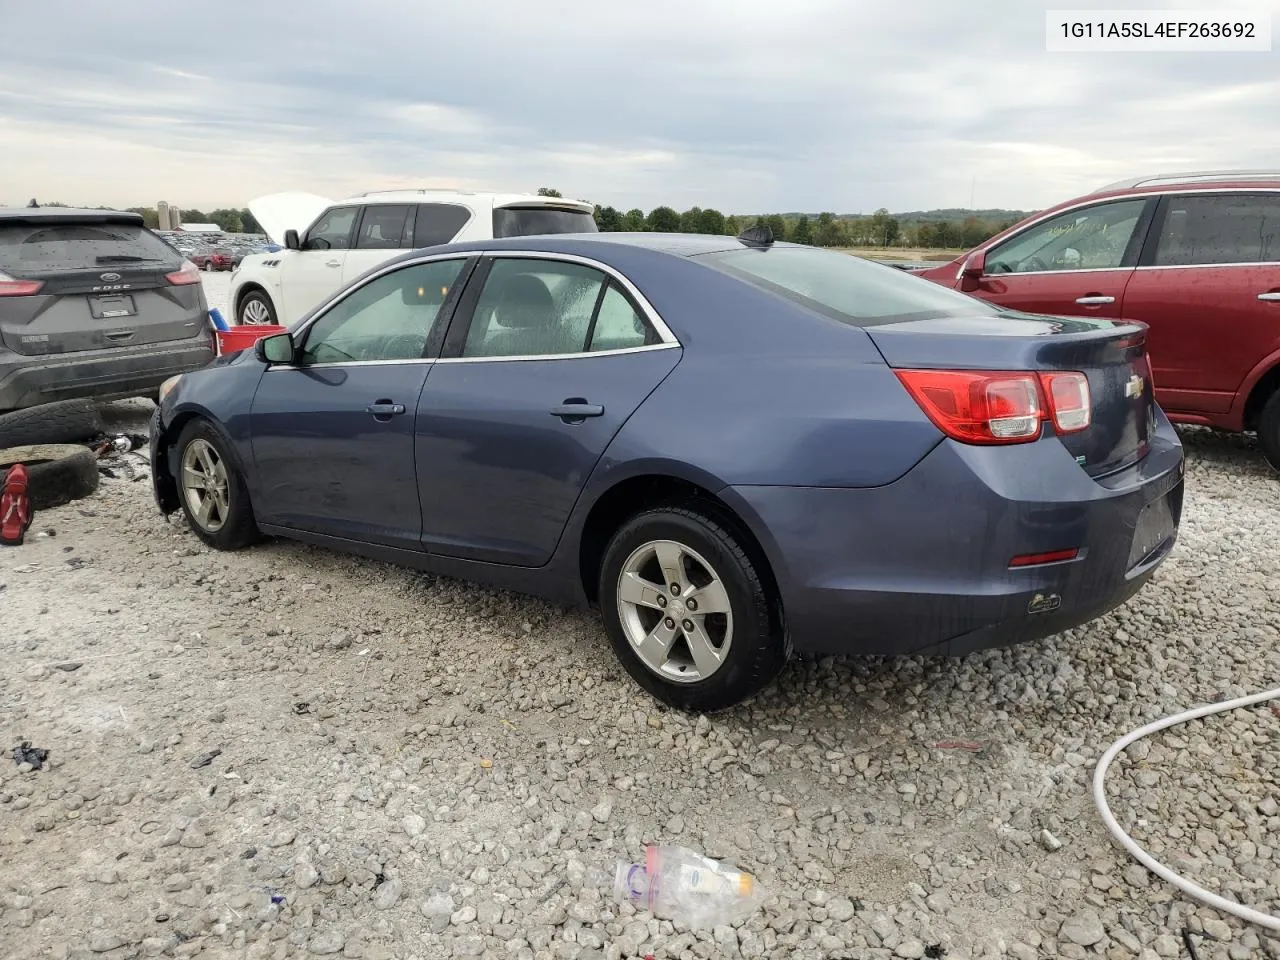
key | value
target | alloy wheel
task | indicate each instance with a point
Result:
(205, 485)
(675, 611)
(255, 312)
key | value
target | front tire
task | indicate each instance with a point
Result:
(687, 610)
(256, 309)
(212, 491)
(1269, 430)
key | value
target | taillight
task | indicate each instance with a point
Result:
(188, 273)
(9, 287)
(991, 407)
(1069, 400)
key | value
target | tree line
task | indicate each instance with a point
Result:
(924, 229)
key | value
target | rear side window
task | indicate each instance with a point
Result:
(536, 221)
(438, 223)
(843, 287)
(74, 246)
(382, 227)
(1219, 228)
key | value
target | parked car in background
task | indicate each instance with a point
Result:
(329, 244)
(1194, 256)
(200, 259)
(223, 258)
(733, 448)
(93, 304)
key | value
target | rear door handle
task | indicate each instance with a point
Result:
(384, 410)
(576, 409)
(1273, 296)
(1094, 300)
(333, 263)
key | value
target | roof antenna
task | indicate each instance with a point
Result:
(757, 236)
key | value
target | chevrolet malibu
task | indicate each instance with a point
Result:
(735, 449)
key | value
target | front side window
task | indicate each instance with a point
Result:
(333, 230)
(389, 318)
(545, 308)
(1218, 229)
(1091, 238)
(438, 223)
(382, 227)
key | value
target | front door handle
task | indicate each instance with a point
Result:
(1094, 300)
(576, 410)
(384, 410)
(333, 263)
(1273, 296)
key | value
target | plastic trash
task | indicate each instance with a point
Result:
(675, 883)
(215, 316)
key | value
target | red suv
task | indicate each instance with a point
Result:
(1194, 256)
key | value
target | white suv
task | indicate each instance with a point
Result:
(328, 243)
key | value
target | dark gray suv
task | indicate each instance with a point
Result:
(93, 304)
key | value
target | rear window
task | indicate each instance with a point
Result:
(844, 287)
(534, 221)
(74, 246)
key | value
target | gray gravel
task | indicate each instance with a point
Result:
(412, 767)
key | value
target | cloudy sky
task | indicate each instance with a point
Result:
(743, 105)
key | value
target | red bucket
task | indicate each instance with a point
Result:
(244, 337)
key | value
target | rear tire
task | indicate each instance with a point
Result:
(1269, 430)
(63, 421)
(256, 310)
(700, 657)
(212, 490)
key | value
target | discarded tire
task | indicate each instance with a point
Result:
(63, 421)
(58, 472)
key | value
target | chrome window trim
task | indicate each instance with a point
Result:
(669, 339)
(1091, 201)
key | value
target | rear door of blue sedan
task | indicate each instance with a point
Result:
(546, 358)
(333, 433)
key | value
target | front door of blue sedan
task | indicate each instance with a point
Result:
(545, 360)
(333, 433)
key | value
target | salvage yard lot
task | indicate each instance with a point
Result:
(290, 752)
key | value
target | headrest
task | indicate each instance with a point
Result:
(524, 302)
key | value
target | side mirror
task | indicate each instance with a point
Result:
(972, 270)
(276, 349)
(291, 240)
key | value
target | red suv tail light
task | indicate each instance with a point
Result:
(995, 407)
(10, 287)
(188, 273)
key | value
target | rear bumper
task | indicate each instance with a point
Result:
(921, 566)
(99, 374)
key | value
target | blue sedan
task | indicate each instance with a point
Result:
(735, 449)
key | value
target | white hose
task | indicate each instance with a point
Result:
(1267, 920)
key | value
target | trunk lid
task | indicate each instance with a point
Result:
(103, 284)
(292, 210)
(1111, 354)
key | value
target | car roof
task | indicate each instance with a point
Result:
(52, 214)
(433, 195)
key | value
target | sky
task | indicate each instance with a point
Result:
(748, 106)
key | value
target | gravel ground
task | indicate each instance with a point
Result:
(290, 752)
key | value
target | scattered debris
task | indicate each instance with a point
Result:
(26, 753)
(1049, 841)
(68, 667)
(15, 506)
(973, 746)
(302, 707)
(204, 759)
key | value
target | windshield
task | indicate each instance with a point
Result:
(534, 221)
(74, 246)
(844, 287)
